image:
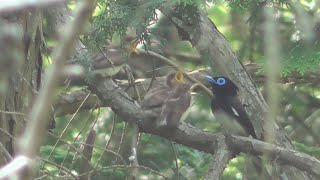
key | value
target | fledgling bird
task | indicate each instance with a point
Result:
(108, 57)
(226, 99)
(114, 55)
(168, 103)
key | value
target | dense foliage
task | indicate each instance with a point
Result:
(242, 24)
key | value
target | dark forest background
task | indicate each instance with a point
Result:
(277, 42)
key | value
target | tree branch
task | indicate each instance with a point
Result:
(36, 128)
(189, 136)
(221, 158)
(68, 103)
(9, 6)
(112, 95)
(257, 73)
(87, 153)
(197, 28)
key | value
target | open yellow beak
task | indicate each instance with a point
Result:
(133, 47)
(179, 77)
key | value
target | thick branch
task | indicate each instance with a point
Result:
(204, 35)
(36, 128)
(124, 106)
(291, 157)
(69, 103)
(111, 94)
(197, 28)
(220, 160)
(15, 6)
(87, 153)
(257, 73)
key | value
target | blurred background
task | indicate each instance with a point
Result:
(242, 23)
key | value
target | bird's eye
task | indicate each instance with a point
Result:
(221, 81)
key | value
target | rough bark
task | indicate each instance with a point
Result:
(222, 155)
(22, 83)
(220, 53)
(68, 103)
(197, 28)
(87, 153)
(110, 93)
(225, 60)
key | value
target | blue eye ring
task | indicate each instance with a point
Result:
(221, 81)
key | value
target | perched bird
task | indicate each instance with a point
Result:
(113, 55)
(107, 58)
(168, 103)
(226, 99)
(108, 61)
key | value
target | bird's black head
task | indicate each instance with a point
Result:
(222, 85)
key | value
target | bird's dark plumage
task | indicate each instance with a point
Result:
(226, 99)
(168, 103)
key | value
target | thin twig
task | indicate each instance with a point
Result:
(126, 167)
(65, 129)
(175, 160)
(83, 127)
(132, 80)
(135, 137)
(107, 150)
(153, 67)
(176, 67)
(66, 170)
(104, 54)
(36, 127)
(124, 132)
(107, 144)
(13, 113)
(74, 148)
(75, 139)
(85, 163)
(5, 152)
(7, 133)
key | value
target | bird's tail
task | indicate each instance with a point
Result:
(161, 122)
(247, 125)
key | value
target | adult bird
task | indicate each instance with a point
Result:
(226, 99)
(168, 103)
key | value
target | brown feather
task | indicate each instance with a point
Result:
(169, 102)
